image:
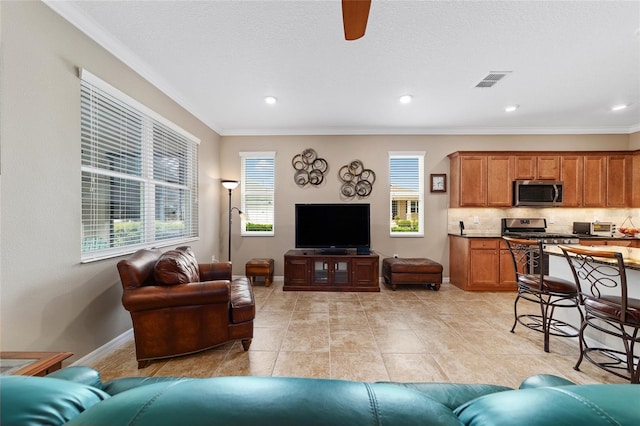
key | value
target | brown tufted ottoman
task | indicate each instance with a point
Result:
(412, 271)
(260, 268)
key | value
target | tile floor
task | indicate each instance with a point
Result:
(412, 334)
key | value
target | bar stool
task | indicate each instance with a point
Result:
(602, 282)
(546, 291)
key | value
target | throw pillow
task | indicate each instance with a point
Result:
(175, 267)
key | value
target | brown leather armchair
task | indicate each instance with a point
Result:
(180, 307)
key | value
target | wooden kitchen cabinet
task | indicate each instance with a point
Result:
(619, 178)
(507, 273)
(591, 179)
(571, 171)
(525, 167)
(473, 181)
(499, 180)
(480, 264)
(468, 180)
(540, 167)
(548, 167)
(485, 264)
(594, 181)
(635, 179)
(481, 181)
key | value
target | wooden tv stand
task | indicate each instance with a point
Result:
(309, 270)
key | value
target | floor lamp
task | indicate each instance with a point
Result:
(230, 185)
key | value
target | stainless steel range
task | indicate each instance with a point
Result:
(534, 229)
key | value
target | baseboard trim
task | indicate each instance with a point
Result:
(107, 348)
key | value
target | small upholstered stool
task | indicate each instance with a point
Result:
(397, 271)
(260, 268)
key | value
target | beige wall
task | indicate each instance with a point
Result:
(49, 301)
(373, 152)
(634, 141)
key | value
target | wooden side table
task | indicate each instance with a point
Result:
(31, 363)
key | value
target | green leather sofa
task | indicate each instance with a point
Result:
(77, 396)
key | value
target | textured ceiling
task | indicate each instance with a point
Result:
(570, 62)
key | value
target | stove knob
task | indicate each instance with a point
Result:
(555, 241)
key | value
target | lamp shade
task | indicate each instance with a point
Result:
(230, 184)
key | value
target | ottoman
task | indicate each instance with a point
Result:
(260, 268)
(412, 271)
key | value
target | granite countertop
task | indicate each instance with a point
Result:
(489, 234)
(477, 235)
(631, 256)
(598, 237)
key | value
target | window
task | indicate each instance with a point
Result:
(406, 179)
(258, 191)
(139, 175)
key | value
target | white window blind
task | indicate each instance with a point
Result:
(139, 175)
(406, 205)
(258, 193)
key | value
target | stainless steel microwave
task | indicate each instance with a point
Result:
(537, 193)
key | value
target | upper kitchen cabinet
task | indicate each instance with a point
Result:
(536, 167)
(635, 179)
(594, 181)
(468, 175)
(591, 179)
(549, 167)
(525, 167)
(480, 180)
(499, 178)
(619, 180)
(571, 167)
(607, 181)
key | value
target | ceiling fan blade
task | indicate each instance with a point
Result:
(355, 14)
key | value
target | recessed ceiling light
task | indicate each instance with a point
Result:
(511, 108)
(406, 99)
(270, 100)
(619, 107)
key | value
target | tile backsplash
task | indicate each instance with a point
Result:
(559, 220)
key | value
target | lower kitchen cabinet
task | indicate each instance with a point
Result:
(480, 264)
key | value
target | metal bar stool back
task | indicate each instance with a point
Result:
(602, 282)
(536, 286)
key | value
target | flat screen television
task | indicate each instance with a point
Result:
(333, 228)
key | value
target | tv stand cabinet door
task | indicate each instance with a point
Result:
(330, 271)
(365, 272)
(297, 271)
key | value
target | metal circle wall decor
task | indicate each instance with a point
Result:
(309, 168)
(356, 180)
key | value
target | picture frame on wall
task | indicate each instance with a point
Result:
(439, 182)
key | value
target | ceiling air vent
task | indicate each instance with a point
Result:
(492, 78)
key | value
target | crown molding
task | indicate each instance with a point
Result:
(432, 131)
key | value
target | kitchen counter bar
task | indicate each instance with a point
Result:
(630, 255)
(581, 237)
(476, 235)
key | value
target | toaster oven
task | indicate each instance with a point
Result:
(603, 229)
